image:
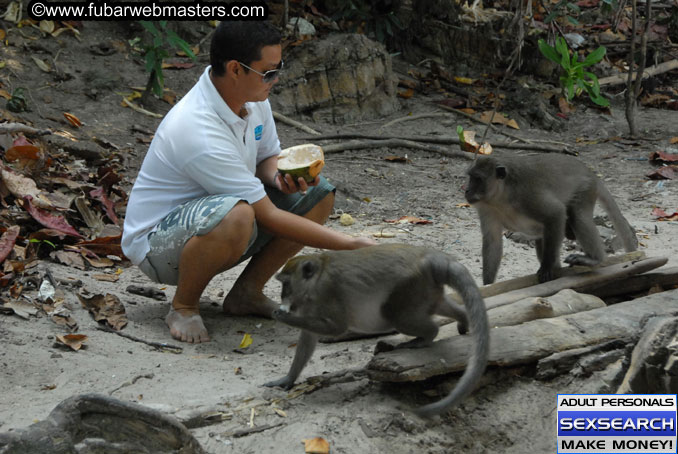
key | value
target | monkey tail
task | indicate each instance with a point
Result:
(458, 277)
(621, 225)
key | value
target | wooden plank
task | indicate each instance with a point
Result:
(525, 343)
(530, 280)
(588, 280)
(664, 277)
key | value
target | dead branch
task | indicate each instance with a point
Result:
(417, 117)
(526, 343)
(581, 282)
(663, 277)
(159, 345)
(649, 72)
(362, 144)
(280, 117)
(11, 128)
(82, 150)
(447, 140)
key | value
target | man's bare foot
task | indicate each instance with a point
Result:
(186, 327)
(242, 302)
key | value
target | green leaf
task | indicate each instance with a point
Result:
(460, 133)
(570, 90)
(573, 7)
(600, 101)
(595, 56)
(150, 27)
(175, 41)
(550, 17)
(548, 51)
(572, 20)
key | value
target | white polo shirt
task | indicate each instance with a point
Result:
(200, 148)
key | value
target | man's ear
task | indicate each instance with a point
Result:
(233, 67)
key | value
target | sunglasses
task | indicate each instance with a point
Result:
(268, 76)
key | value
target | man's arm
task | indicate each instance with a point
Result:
(281, 223)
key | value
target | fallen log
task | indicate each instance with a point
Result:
(665, 278)
(562, 303)
(98, 423)
(592, 279)
(654, 361)
(648, 72)
(526, 343)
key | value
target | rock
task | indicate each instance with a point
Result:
(342, 78)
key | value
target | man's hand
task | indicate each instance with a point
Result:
(287, 185)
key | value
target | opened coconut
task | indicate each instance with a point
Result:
(304, 161)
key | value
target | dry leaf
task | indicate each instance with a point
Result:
(106, 277)
(41, 64)
(406, 94)
(464, 80)
(246, 341)
(73, 120)
(280, 413)
(662, 215)
(21, 186)
(673, 140)
(23, 309)
(46, 26)
(7, 241)
(498, 118)
(316, 445)
(408, 220)
(3, 33)
(106, 308)
(74, 341)
(13, 12)
(102, 262)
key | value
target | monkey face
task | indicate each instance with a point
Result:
(484, 180)
(298, 277)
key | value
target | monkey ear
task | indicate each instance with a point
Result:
(500, 172)
(308, 269)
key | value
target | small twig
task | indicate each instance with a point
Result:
(131, 382)
(341, 376)
(158, 345)
(280, 117)
(253, 430)
(19, 127)
(133, 106)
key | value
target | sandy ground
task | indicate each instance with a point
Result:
(511, 411)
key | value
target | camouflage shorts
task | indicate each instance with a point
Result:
(200, 216)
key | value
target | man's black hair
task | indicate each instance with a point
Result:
(241, 41)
